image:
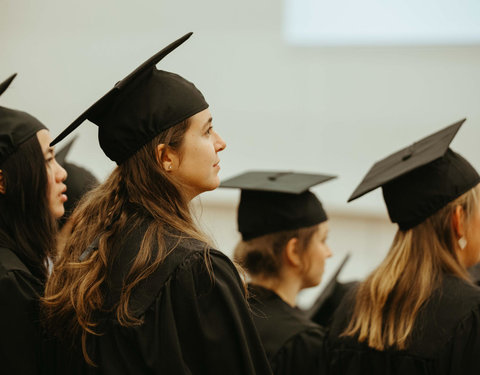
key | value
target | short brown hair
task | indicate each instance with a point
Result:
(263, 255)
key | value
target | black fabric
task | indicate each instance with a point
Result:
(323, 314)
(140, 107)
(407, 159)
(415, 196)
(474, 272)
(191, 324)
(15, 128)
(264, 212)
(4, 85)
(21, 345)
(276, 181)
(293, 343)
(445, 339)
(276, 201)
(419, 180)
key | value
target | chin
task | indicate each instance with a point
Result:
(58, 212)
(213, 186)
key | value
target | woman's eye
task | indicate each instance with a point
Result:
(209, 130)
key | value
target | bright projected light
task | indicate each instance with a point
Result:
(382, 22)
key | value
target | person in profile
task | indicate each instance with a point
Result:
(32, 194)
(418, 312)
(284, 230)
(79, 181)
(139, 289)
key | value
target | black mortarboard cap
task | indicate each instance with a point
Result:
(276, 201)
(140, 106)
(15, 126)
(4, 85)
(419, 180)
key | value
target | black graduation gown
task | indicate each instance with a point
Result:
(474, 272)
(20, 334)
(191, 325)
(293, 343)
(445, 338)
(323, 314)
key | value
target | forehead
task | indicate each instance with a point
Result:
(201, 118)
(44, 139)
(323, 227)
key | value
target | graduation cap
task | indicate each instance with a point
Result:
(141, 106)
(79, 180)
(15, 126)
(419, 180)
(276, 201)
(4, 85)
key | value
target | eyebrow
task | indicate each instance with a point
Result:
(207, 123)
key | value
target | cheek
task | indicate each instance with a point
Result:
(317, 258)
(49, 179)
(196, 157)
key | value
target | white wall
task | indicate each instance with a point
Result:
(331, 110)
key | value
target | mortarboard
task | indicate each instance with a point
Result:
(4, 85)
(15, 126)
(140, 106)
(276, 201)
(420, 179)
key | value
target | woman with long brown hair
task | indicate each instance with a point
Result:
(284, 230)
(139, 289)
(418, 312)
(32, 194)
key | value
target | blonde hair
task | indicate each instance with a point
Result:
(262, 256)
(74, 292)
(388, 301)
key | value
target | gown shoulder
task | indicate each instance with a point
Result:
(194, 319)
(445, 337)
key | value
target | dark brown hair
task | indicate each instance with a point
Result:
(26, 224)
(74, 292)
(262, 256)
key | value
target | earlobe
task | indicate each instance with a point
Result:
(164, 157)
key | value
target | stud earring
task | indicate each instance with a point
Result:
(169, 167)
(462, 242)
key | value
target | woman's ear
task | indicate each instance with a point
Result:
(458, 221)
(2, 184)
(292, 254)
(167, 157)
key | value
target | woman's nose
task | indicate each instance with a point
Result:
(221, 145)
(61, 174)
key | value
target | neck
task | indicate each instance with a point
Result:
(62, 236)
(287, 289)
